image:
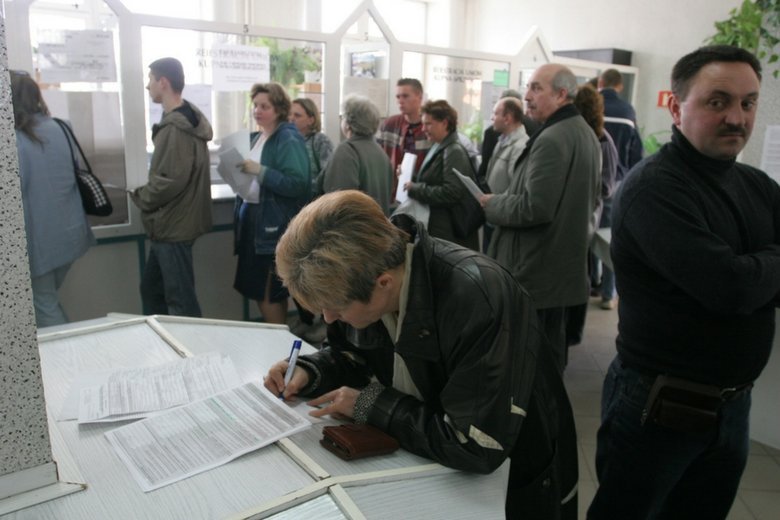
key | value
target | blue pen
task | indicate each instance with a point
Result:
(296, 349)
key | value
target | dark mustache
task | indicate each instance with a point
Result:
(732, 130)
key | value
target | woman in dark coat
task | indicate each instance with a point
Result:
(436, 184)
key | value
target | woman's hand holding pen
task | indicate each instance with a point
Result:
(274, 380)
(339, 402)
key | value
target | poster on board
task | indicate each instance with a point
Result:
(78, 56)
(235, 68)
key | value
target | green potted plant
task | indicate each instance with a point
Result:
(754, 26)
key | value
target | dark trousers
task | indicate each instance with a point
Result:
(553, 323)
(650, 471)
(168, 283)
(543, 474)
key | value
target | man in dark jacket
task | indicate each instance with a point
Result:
(620, 124)
(175, 203)
(696, 254)
(620, 121)
(449, 339)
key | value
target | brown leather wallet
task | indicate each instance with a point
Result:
(355, 441)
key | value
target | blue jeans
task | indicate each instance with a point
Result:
(48, 310)
(168, 283)
(649, 471)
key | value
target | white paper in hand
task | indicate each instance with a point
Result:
(407, 169)
(470, 184)
(238, 140)
(230, 171)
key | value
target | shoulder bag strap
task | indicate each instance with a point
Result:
(71, 138)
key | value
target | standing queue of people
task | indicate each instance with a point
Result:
(459, 355)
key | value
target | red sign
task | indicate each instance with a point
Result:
(663, 97)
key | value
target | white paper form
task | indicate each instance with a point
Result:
(242, 183)
(407, 169)
(238, 140)
(186, 441)
(470, 184)
(133, 393)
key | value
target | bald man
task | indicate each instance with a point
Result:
(543, 221)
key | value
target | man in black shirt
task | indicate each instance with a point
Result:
(695, 245)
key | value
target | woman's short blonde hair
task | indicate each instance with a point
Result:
(335, 248)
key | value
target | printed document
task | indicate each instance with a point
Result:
(470, 184)
(134, 393)
(194, 438)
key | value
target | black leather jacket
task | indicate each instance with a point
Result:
(471, 343)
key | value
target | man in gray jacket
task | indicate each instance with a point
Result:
(543, 220)
(508, 122)
(176, 201)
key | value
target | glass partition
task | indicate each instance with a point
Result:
(334, 12)
(76, 62)
(405, 18)
(365, 65)
(192, 9)
(471, 86)
(220, 69)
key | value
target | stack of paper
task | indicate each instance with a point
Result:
(134, 393)
(232, 152)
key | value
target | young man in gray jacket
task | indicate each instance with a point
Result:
(176, 201)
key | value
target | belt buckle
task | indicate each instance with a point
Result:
(727, 394)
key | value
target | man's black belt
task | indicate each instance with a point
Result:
(727, 393)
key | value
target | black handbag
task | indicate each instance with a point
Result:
(93, 195)
(467, 215)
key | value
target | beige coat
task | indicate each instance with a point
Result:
(176, 201)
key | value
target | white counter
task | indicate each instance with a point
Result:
(295, 478)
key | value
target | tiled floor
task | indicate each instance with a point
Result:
(759, 492)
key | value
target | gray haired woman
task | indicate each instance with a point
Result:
(359, 162)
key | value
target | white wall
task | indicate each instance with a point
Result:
(657, 32)
(764, 419)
